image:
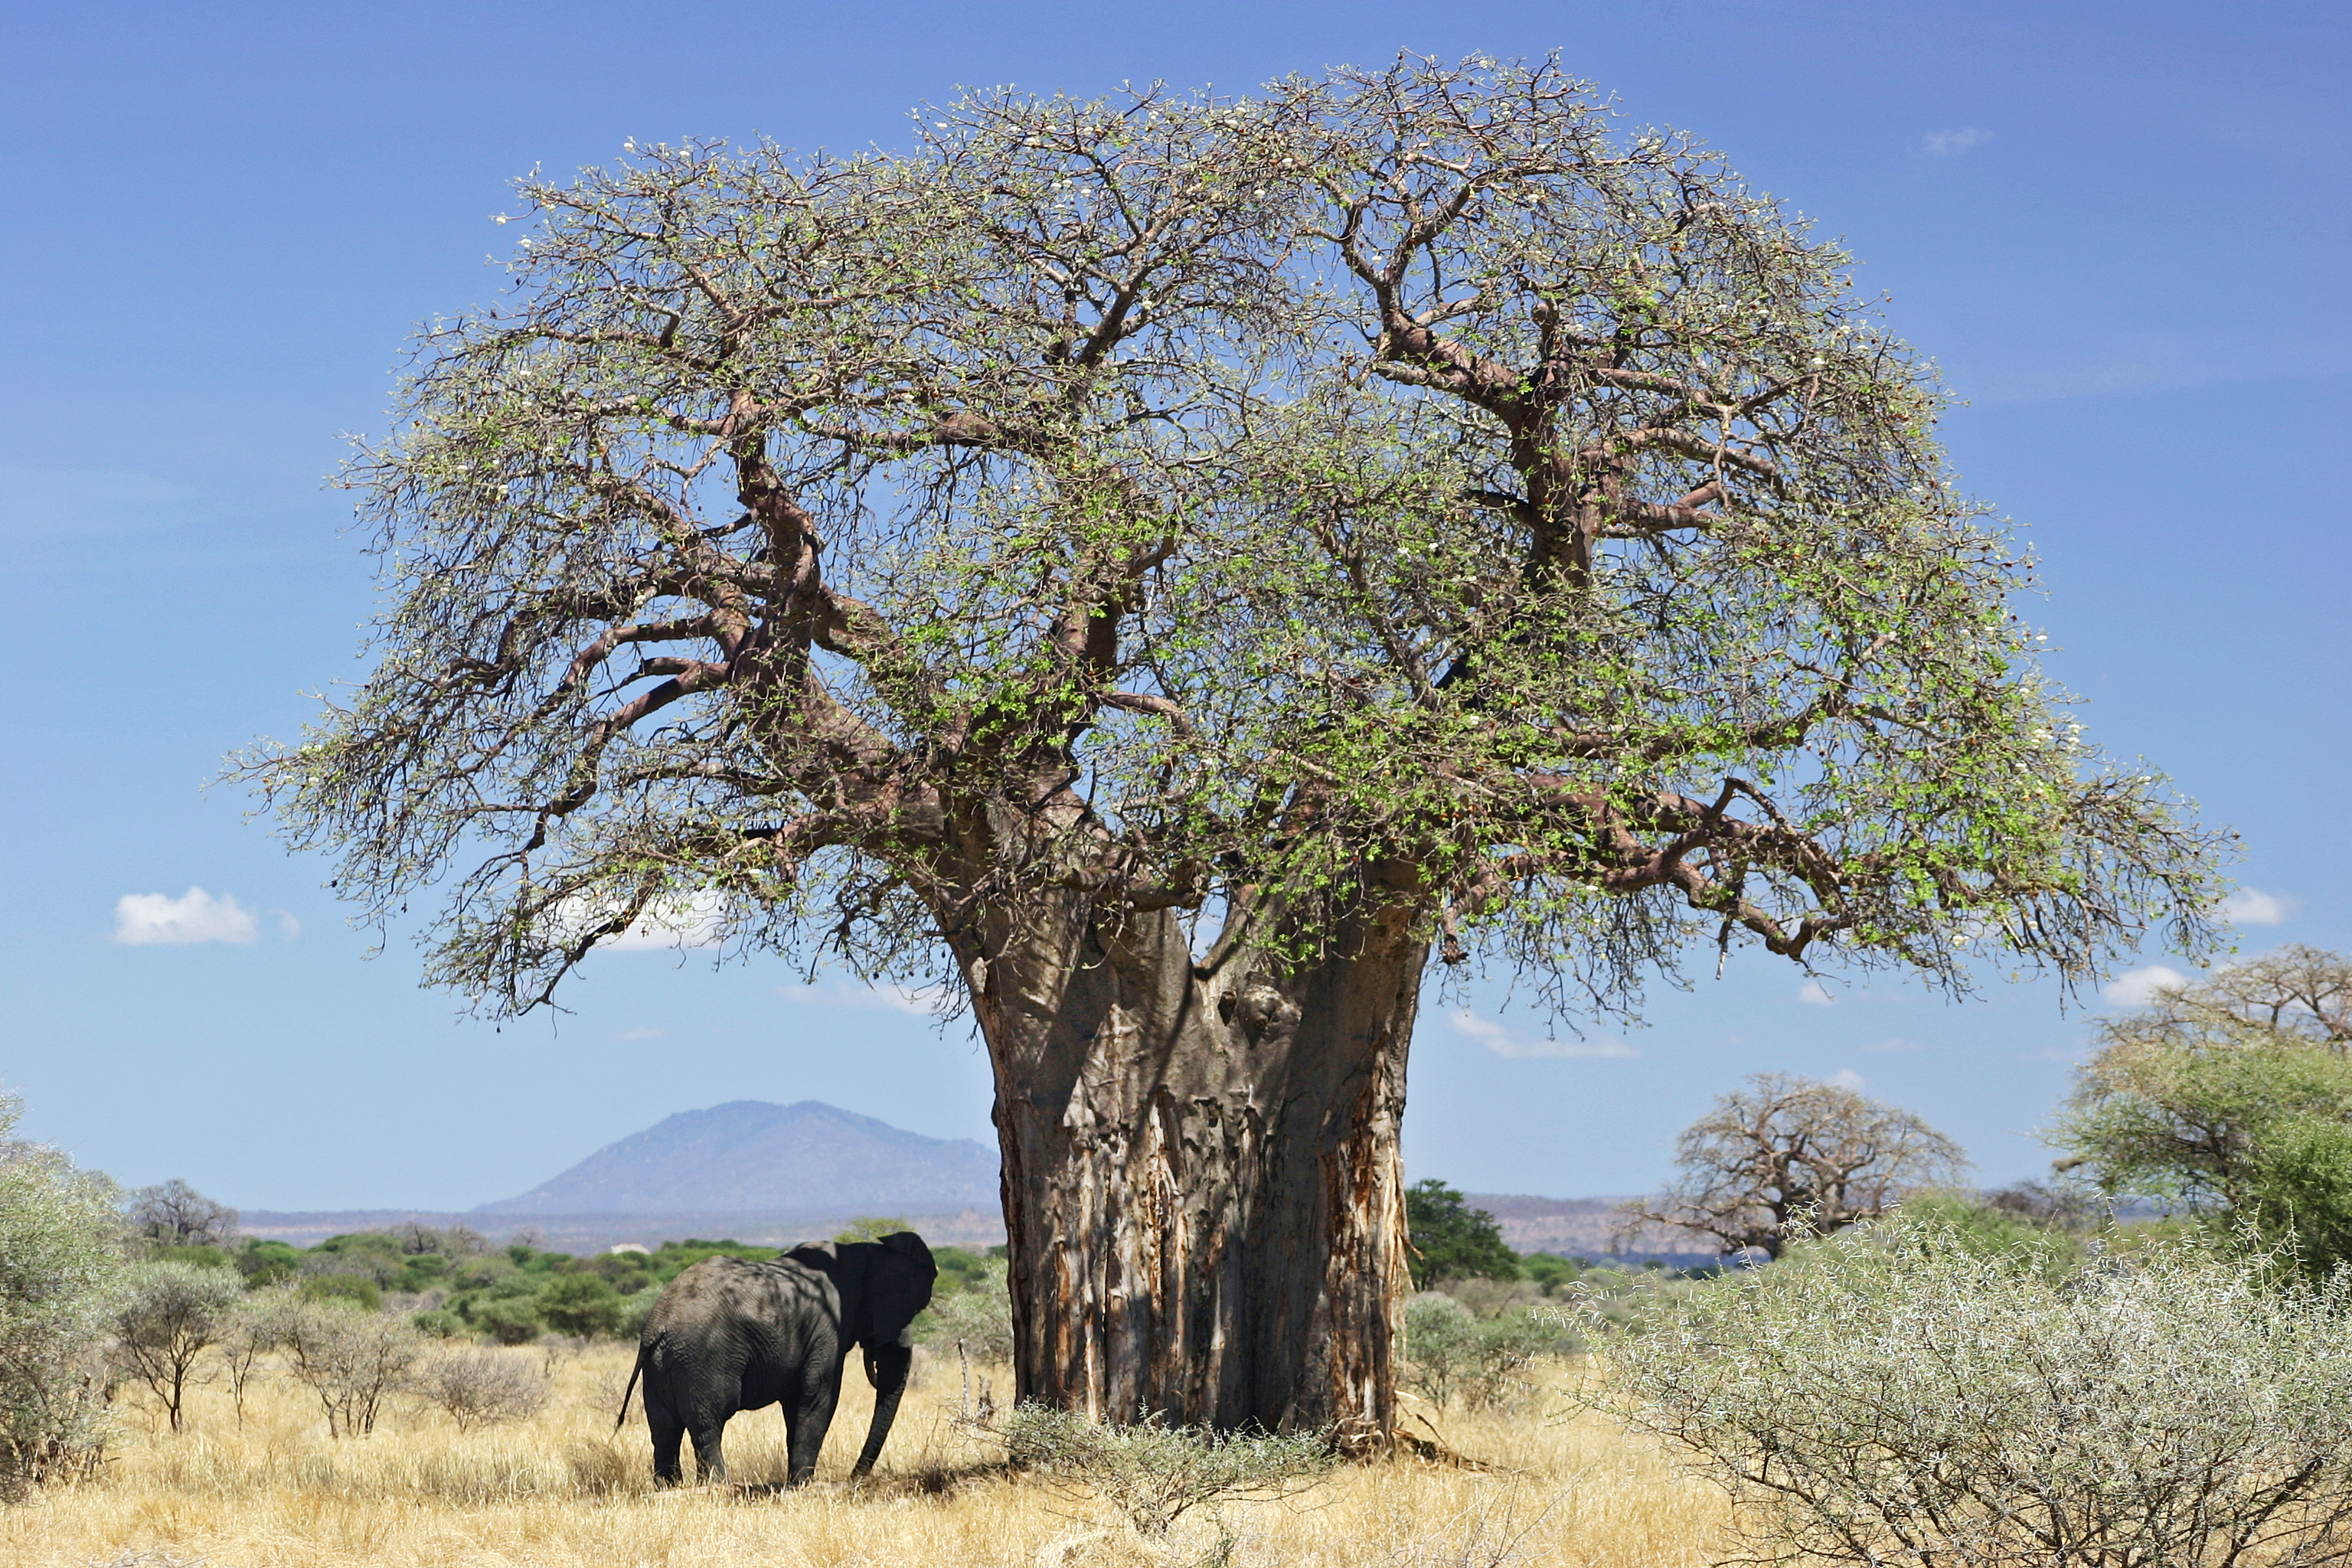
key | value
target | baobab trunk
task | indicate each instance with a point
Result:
(1202, 1189)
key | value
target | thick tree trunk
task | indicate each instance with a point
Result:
(1202, 1184)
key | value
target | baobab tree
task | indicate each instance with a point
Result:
(1169, 570)
(1783, 1151)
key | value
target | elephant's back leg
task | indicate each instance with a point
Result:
(808, 1412)
(668, 1431)
(708, 1457)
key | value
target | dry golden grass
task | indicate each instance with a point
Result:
(561, 1488)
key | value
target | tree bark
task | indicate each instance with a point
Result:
(1202, 1189)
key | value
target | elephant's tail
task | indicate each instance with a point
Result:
(622, 1419)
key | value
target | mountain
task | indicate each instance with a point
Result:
(750, 1157)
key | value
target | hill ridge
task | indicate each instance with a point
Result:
(755, 1156)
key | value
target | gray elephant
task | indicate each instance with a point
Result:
(728, 1335)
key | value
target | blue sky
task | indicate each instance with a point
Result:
(2122, 229)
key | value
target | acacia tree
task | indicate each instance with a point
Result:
(2230, 1095)
(1162, 568)
(1785, 1149)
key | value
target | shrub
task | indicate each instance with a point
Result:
(265, 1263)
(1451, 1353)
(170, 1315)
(359, 1292)
(58, 1272)
(1153, 1474)
(245, 1337)
(478, 1387)
(979, 1317)
(581, 1304)
(508, 1319)
(352, 1359)
(1891, 1395)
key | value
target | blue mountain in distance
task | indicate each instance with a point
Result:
(750, 1157)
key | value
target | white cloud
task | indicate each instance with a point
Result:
(2138, 987)
(287, 926)
(2253, 906)
(146, 919)
(1816, 993)
(1846, 1078)
(1951, 144)
(691, 921)
(1506, 1042)
(1890, 1047)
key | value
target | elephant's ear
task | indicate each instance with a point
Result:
(898, 1289)
(908, 1245)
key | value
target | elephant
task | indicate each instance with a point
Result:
(728, 1335)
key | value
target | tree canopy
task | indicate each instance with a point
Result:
(2230, 1095)
(1451, 1240)
(1206, 502)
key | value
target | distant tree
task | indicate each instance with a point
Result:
(171, 1314)
(2232, 1096)
(870, 1228)
(1450, 1240)
(59, 1271)
(418, 1239)
(1786, 1147)
(1163, 571)
(173, 1214)
(478, 1387)
(245, 1338)
(351, 1358)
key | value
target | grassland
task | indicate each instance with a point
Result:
(563, 1489)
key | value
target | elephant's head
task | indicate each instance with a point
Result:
(884, 1285)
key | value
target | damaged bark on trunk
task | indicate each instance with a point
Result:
(1202, 1189)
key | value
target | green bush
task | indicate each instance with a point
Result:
(1549, 1272)
(1451, 1355)
(508, 1319)
(59, 1272)
(1896, 1395)
(959, 1267)
(1986, 1230)
(265, 1263)
(359, 1292)
(581, 1304)
(979, 1317)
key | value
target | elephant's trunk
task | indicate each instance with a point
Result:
(886, 1369)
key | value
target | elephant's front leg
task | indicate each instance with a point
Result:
(806, 1419)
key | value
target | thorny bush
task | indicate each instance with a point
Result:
(1890, 1396)
(1152, 1473)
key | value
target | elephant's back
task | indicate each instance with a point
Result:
(729, 1297)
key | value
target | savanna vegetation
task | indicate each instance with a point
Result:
(2008, 1378)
